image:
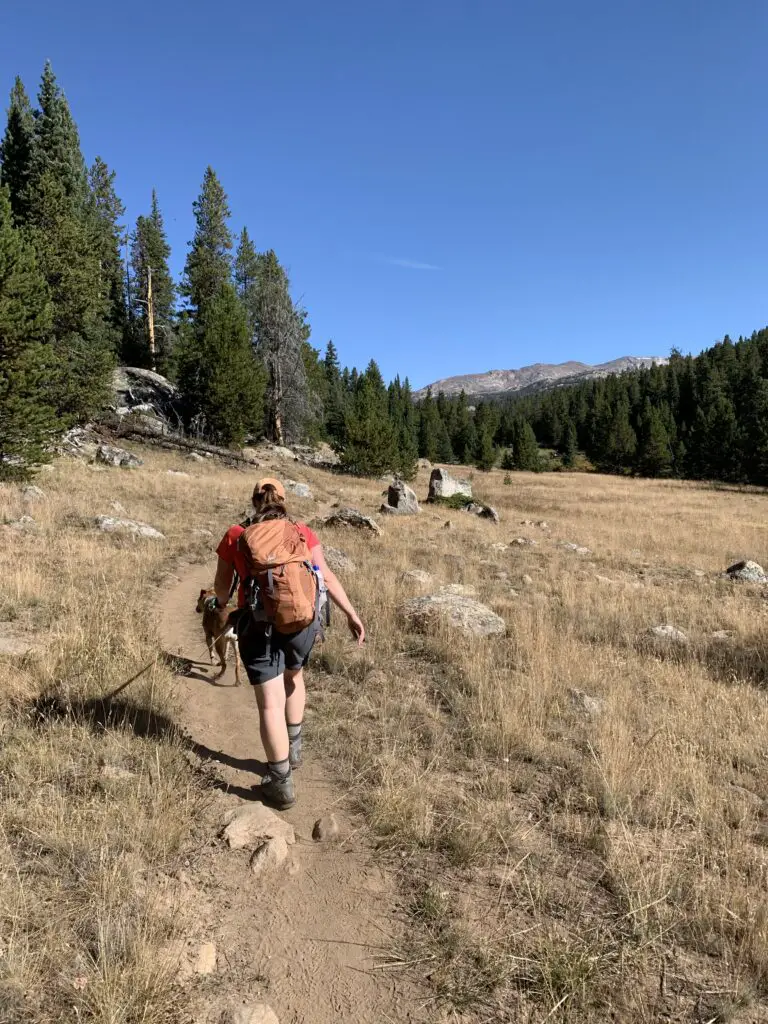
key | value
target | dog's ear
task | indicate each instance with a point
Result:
(203, 592)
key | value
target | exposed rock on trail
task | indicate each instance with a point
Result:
(270, 856)
(443, 485)
(255, 823)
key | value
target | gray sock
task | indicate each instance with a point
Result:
(294, 733)
(280, 770)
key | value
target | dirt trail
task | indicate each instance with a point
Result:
(308, 942)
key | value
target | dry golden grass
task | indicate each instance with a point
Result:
(559, 867)
(588, 869)
(97, 799)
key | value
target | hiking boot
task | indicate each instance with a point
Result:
(294, 753)
(278, 792)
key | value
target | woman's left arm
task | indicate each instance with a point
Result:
(339, 595)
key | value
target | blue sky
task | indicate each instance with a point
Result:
(454, 186)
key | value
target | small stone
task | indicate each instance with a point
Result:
(32, 494)
(698, 573)
(747, 572)
(721, 636)
(269, 856)
(255, 823)
(299, 489)
(117, 508)
(593, 707)
(417, 576)
(667, 634)
(578, 548)
(499, 546)
(115, 772)
(326, 829)
(257, 1013)
(109, 524)
(526, 580)
(604, 579)
(205, 961)
(338, 561)
(25, 524)
(542, 525)
(524, 542)
(179, 473)
(448, 525)
(477, 508)
(196, 457)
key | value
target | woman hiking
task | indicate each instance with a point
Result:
(277, 561)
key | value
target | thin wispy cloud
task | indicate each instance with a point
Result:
(410, 264)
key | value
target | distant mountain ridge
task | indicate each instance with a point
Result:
(537, 377)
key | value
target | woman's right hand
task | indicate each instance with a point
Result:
(356, 628)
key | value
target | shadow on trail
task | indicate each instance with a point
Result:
(100, 714)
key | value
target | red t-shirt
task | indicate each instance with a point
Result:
(227, 552)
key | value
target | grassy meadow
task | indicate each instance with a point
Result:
(561, 860)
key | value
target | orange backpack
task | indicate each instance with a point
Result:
(282, 586)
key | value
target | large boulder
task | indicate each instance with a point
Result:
(323, 456)
(443, 485)
(111, 455)
(151, 399)
(401, 500)
(348, 518)
(301, 490)
(457, 610)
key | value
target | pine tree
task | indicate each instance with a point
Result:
(150, 252)
(281, 331)
(464, 440)
(247, 269)
(16, 151)
(106, 212)
(371, 445)
(27, 370)
(654, 456)
(428, 428)
(56, 149)
(62, 231)
(209, 263)
(485, 458)
(335, 403)
(525, 449)
(569, 444)
(619, 440)
(221, 381)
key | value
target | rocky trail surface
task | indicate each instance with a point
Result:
(313, 938)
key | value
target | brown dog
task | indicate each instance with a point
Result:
(219, 633)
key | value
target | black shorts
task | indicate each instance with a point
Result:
(266, 653)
